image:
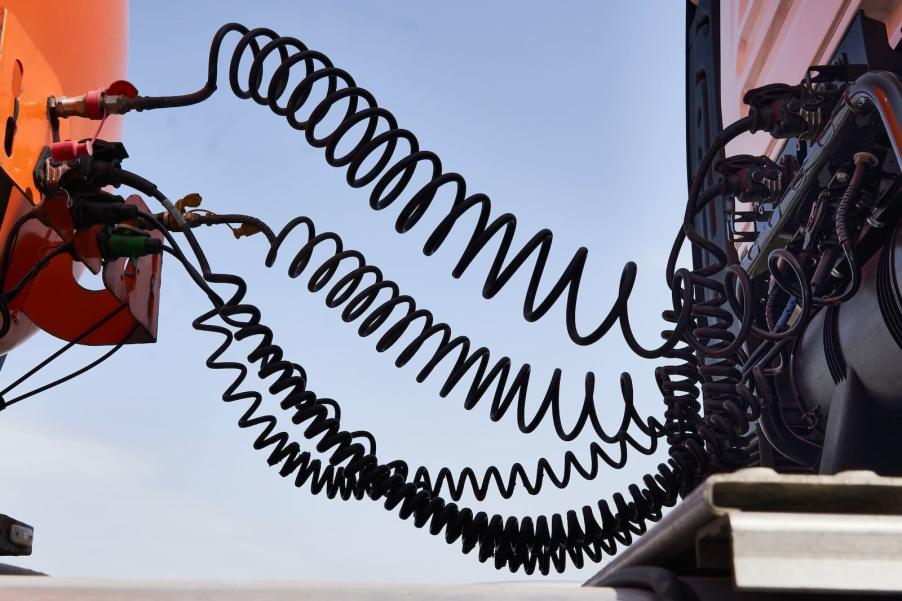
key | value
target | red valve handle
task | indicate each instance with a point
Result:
(120, 87)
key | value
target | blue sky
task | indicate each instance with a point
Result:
(569, 115)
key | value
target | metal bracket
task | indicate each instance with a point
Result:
(781, 532)
(15, 537)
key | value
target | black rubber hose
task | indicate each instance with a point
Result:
(844, 236)
(373, 135)
(366, 297)
(718, 434)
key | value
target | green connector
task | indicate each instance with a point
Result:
(131, 246)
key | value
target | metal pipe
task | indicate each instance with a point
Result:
(883, 90)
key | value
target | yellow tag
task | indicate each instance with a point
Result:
(192, 200)
(246, 230)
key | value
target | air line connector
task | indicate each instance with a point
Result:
(131, 246)
(116, 99)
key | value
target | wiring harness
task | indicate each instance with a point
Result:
(544, 541)
(717, 387)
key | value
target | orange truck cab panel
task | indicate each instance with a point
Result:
(66, 49)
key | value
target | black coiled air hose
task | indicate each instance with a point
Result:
(390, 177)
(714, 441)
(699, 320)
(365, 296)
(354, 470)
(375, 135)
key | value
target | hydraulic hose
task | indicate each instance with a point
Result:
(375, 138)
(354, 470)
(366, 297)
(709, 355)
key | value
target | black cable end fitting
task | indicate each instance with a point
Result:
(775, 108)
(115, 245)
(752, 179)
(81, 166)
(153, 246)
(786, 111)
(86, 213)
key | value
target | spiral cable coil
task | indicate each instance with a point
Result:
(369, 298)
(354, 470)
(700, 337)
(391, 177)
(390, 180)
(352, 283)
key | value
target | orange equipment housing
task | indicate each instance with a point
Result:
(39, 57)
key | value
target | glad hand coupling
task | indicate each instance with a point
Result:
(116, 99)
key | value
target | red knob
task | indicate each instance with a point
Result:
(69, 149)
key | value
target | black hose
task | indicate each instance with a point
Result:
(844, 236)
(699, 319)
(390, 175)
(702, 336)
(375, 136)
(377, 304)
(353, 468)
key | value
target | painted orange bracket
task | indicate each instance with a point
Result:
(54, 301)
(58, 305)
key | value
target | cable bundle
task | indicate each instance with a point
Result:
(528, 543)
(343, 464)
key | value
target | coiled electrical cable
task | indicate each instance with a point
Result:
(716, 439)
(690, 433)
(377, 303)
(712, 376)
(699, 317)
(393, 171)
(353, 468)
(391, 176)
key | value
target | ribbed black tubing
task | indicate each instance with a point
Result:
(393, 157)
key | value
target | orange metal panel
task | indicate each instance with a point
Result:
(64, 48)
(23, 98)
(63, 308)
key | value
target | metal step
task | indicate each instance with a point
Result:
(789, 533)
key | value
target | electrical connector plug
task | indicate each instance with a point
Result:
(786, 111)
(88, 213)
(115, 245)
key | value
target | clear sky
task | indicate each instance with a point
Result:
(568, 114)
